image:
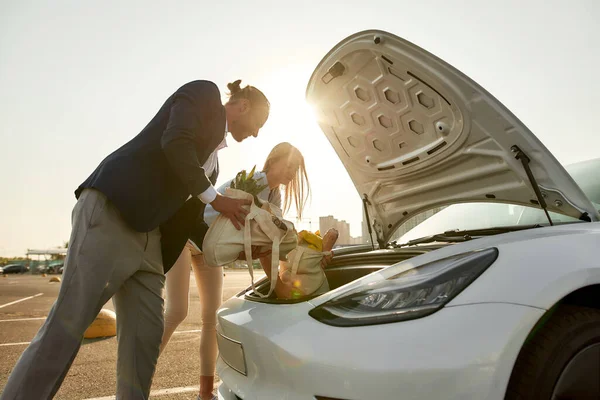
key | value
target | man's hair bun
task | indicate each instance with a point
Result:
(234, 87)
(258, 101)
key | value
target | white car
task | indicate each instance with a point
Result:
(496, 296)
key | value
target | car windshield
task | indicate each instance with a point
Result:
(489, 215)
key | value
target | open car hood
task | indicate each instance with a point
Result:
(414, 133)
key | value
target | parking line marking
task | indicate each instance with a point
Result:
(22, 319)
(18, 301)
(14, 344)
(160, 392)
(24, 343)
(190, 331)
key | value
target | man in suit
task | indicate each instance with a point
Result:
(115, 246)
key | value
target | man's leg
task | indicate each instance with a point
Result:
(139, 306)
(103, 253)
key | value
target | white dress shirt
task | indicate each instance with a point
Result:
(209, 166)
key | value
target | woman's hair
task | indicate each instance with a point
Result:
(298, 190)
(258, 101)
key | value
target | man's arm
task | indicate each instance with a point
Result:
(185, 129)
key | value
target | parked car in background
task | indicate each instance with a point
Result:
(494, 297)
(49, 267)
(52, 268)
(55, 268)
(41, 269)
(15, 269)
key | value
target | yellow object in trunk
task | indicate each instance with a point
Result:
(313, 240)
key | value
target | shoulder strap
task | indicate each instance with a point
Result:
(273, 234)
(296, 260)
(300, 250)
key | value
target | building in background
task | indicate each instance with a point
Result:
(328, 222)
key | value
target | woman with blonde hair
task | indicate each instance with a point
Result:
(284, 167)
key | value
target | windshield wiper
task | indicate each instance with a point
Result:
(456, 236)
(434, 238)
(492, 231)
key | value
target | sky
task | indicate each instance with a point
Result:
(79, 79)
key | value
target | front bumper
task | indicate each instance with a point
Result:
(460, 352)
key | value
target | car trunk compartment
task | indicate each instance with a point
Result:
(343, 269)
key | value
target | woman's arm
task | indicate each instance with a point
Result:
(282, 290)
(328, 241)
(265, 263)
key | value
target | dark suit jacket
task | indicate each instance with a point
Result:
(186, 223)
(150, 177)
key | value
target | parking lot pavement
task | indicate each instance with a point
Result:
(25, 301)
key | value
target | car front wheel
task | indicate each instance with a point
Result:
(561, 360)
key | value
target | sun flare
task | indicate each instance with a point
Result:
(293, 120)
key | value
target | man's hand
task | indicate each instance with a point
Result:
(255, 253)
(232, 209)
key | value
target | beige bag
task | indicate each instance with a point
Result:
(303, 270)
(263, 227)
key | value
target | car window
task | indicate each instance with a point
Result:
(488, 215)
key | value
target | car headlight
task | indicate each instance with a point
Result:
(412, 294)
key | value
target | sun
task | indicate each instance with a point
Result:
(292, 119)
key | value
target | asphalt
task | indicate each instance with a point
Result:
(93, 373)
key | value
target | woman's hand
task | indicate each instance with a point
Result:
(232, 209)
(326, 260)
(328, 241)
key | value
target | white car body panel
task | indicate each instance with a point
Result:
(415, 133)
(293, 357)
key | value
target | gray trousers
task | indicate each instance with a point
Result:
(105, 259)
